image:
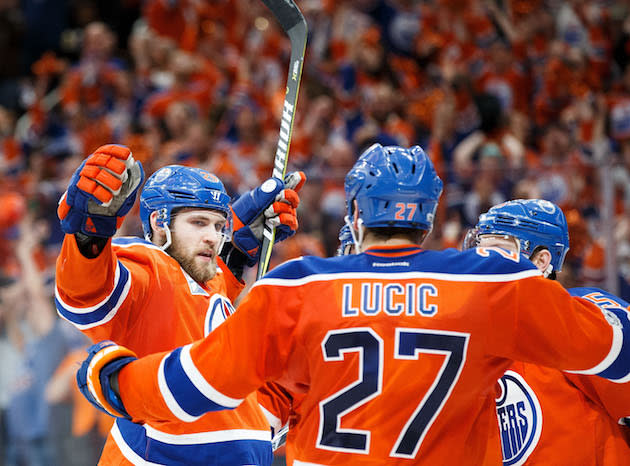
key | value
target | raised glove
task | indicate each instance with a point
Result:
(101, 192)
(274, 200)
(93, 378)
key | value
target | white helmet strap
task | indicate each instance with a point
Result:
(547, 271)
(357, 236)
(169, 238)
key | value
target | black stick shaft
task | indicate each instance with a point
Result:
(293, 23)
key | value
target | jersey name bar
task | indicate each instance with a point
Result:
(394, 299)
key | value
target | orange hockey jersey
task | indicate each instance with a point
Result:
(391, 355)
(551, 417)
(140, 297)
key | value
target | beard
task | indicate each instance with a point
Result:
(201, 272)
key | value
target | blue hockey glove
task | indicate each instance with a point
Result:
(346, 242)
(274, 200)
(101, 192)
(93, 378)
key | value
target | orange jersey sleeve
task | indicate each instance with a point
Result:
(613, 397)
(137, 295)
(108, 297)
(527, 331)
(90, 292)
(393, 354)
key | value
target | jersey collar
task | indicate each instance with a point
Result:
(394, 251)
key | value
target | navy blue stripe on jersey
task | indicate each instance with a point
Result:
(617, 313)
(187, 394)
(139, 445)
(615, 301)
(129, 240)
(102, 312)
(619, 369)
(471, 262)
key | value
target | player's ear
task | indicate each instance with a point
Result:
(541, 259)
(158, 232)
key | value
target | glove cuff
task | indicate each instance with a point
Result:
(111, 394)
(246, 242)
(234, 259)
(90, 246)
(107, 361)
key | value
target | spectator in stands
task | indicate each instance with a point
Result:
(42, 342)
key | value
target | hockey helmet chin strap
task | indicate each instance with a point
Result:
(169, 238)
(361, 232)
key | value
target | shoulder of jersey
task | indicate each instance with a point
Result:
(447, 262)
(488, 261)
(305, 266)
(598, 293)
(137, 246)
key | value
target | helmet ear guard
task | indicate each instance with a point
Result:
(162, 218)
(162, 221)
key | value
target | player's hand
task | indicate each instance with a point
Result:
(101, 192)
(275, 201)
(94, 377)
(346, 242)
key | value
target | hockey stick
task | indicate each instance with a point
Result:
(293, 23)
(280, 438)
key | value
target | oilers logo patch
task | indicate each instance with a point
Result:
(546, 206)
(520, 419)
(162, 174)
(219, 309)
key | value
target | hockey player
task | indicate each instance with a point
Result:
(390, 354)
(167, 290)
(547, 416)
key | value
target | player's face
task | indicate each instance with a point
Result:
(197, 234)
(499, 241)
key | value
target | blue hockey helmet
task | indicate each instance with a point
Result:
(394, 187)
(534, 222)
(177, 186)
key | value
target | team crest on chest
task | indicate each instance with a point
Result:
(219, 309)
(520, 419)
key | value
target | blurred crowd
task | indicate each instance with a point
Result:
(510, 98)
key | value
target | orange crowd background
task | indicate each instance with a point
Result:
(510, 98)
